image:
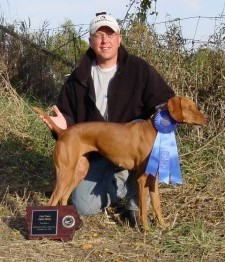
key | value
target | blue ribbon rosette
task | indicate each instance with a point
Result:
(164, 158)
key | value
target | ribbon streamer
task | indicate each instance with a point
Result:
(164, 158)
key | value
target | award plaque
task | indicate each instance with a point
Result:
(52, 222)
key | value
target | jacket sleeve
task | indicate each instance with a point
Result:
(156, 91)
(66, 102)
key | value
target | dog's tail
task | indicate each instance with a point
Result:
(55, 128)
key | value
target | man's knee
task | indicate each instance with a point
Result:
(91, 205)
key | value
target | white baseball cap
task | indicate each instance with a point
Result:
(102, 19)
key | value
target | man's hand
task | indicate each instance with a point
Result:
(59, 119)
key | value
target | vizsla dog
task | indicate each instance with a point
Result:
(127, 145)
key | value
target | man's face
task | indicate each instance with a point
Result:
(105, 43)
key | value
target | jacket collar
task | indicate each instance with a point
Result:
(83, 71)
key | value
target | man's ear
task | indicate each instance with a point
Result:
(175, 109)
(120, 41)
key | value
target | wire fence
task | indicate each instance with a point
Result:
(196, 31)
(38, 68)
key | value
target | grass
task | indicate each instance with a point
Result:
(196, 210)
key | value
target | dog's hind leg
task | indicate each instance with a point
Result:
(61, 185)
(66, 180)
(79, 174)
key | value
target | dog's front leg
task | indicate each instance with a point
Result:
(143, 197)
(155, 199)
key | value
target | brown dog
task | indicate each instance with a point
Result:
(127, 145)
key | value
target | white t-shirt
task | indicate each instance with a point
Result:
(102, 78)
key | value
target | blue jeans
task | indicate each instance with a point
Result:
(105, 184)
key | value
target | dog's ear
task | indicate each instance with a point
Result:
(175, 109)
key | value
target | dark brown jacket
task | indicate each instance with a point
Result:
(134, 92)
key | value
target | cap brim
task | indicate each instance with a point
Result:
(95, 29)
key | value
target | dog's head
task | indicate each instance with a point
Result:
(184, 110)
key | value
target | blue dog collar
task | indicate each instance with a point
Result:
(163, 122)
